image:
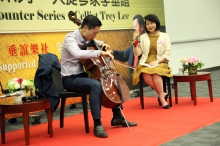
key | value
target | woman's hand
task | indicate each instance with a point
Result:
(153, 63)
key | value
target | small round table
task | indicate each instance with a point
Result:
(192, 78)
(25, 108)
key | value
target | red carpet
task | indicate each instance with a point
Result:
(155, 125)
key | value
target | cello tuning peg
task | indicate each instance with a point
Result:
(72, 13)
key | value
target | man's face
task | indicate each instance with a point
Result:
(90, 34)
(137, 27)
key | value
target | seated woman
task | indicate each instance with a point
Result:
(155, 48)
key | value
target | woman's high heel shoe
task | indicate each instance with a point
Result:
(160, 104)
(166, 96)
(166, 107)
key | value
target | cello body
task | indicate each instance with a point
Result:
(114, 89)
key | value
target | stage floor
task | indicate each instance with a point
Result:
(203, 136)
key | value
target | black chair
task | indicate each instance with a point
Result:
(166, 85)
(64, 94)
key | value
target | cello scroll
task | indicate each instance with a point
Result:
(74, 19)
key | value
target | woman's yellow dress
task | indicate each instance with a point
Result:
(162, 69)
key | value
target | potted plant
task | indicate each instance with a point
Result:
(20, 86)
(192, 64)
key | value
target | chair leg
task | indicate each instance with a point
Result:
(141, 92)
(85, 113)
(164, 78)
(167, 86)
(62, 110)
(169, 91)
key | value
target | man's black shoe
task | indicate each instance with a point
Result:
(122, 122)
(99, 131)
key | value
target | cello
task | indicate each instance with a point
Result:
(114, 89)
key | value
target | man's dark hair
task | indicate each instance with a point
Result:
(91, 21)
(152, 18)
(140, 19)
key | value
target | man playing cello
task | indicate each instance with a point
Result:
(75, 79)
